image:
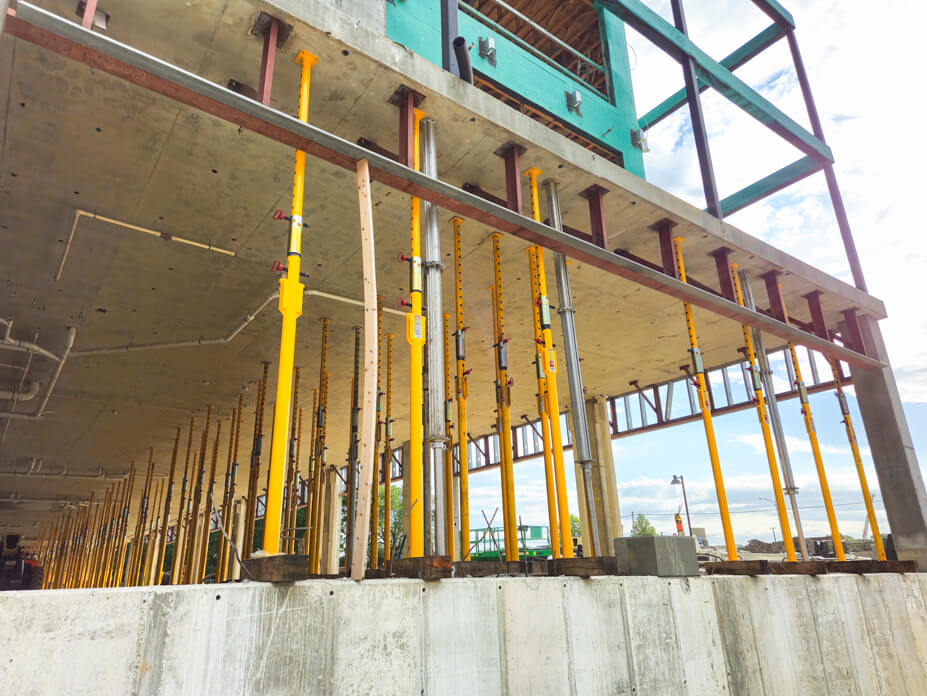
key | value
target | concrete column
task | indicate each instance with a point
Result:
(896, 465)
(405, 455)
(604, 484)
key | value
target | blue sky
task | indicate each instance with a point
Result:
(854, 57)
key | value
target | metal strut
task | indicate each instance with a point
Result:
(463, 446)
(702, 389)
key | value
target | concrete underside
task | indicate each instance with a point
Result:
(76, 138)
(835, 634)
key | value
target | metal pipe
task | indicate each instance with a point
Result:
(582, 448)
(539, 29)
(68, 344)
(27, 395)
(435, 435)
(463, 59)
(775, 420)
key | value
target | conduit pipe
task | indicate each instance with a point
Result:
(27, 395)
(78, 214)
(249, 317)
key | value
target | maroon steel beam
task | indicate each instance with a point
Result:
(268, 56)
(774, 292)
(852, 334)
(111, 62)
(664, 229)
(511, 154)
(722, 258)
(818, 325)
(90, 11)
(595, 195)
(405, 98)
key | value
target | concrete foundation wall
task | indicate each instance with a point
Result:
(610, 635)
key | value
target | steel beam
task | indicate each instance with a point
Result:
(49, 31)
(268, 57)
(768, 185)
(737, 58)
(673, 42)
(595, 195)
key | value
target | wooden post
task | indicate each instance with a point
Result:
(369, 408)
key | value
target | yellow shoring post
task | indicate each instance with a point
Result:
(388, 450)
(105, 536)
(551, 486)
(93, 545)
(763, 417)
(291, 307)
(162, 540)
(705, 407)
(323, 469)
(313, 536)
(463, 447)
(504, 401)
(228, 493)
(81, 546)
(255, 465)
(310, 462)
(815, 446)
(857, 459)
(58, 578)
(119, 543)
(208, 507)
(375, 475)
(177, 559)
(193, 526)
(449, 450)
(415, 335)
(550, 381)
(294, 487)
(292, 463)
(140, 523)
(150, 546)
(103, 570)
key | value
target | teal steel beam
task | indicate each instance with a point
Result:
(767, 186)
(776, 12)
(749, 50)
(666, 37)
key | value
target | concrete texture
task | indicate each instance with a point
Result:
(834, 634)
(662, 556)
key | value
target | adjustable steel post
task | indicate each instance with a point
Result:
(162, 541)
(549, 363)
(699, 370)
(503, 404)
(448, 462)
(550, 484)
(313, 534)
(463, 446)
(352, 456)
(791, 490)
(255, 468)
(291, 307)
(764, 426)
(375, 482)
(388, 451)
(582, 450)
(781, 313)
(415, 335)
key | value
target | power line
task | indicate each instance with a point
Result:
(770, 509)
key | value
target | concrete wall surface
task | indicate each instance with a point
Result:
(835, 634)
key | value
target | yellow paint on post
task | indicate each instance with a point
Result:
(705, 407)
(291, 307)
(463, 448)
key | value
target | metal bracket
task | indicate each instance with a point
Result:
(574, 100)
(487, 49)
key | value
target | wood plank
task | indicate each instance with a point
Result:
(797, 568)
(424, 568)
(870, 566)
(736, 567)
(368, 415)
(583, 567)
(277, 568)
